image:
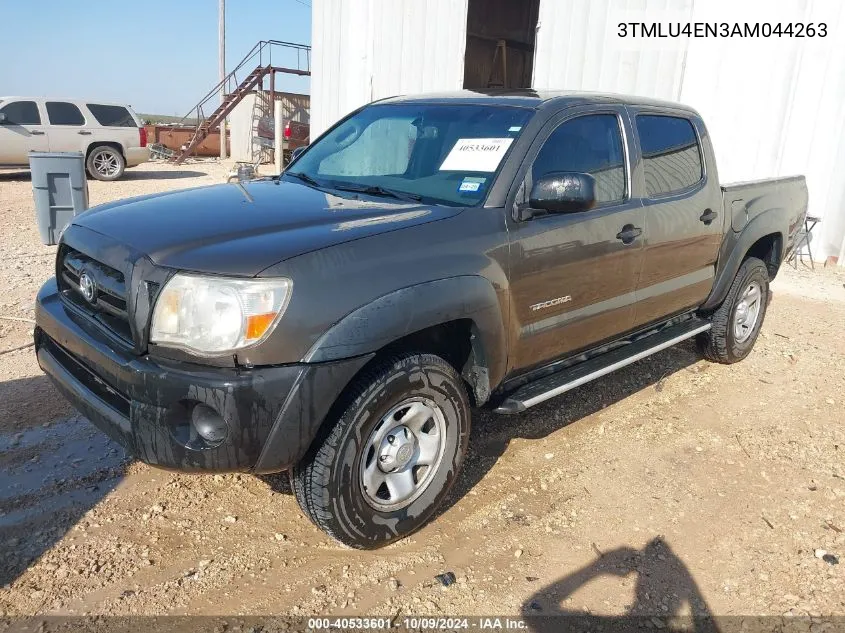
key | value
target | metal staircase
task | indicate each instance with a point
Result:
(260, 61)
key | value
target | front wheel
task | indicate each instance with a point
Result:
(105, 163)
(737, 322)
(391, 456)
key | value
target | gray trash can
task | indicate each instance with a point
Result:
(60, 190)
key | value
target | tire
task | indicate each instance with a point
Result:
(727, 342)
(105, 163)
(329, 483)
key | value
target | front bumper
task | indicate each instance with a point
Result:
(271, 413)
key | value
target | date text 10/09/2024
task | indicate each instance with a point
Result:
(419, 623)
(648, 30)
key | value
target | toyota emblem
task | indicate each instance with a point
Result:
(87, 288)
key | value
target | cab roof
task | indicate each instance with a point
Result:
(530, 98)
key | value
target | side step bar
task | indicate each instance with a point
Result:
(555, 384)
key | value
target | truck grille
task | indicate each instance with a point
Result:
(106, 302)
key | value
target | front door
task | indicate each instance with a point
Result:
(573, 275)
(683, 222)
(21, 132)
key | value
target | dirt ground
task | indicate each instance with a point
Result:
(673, 486)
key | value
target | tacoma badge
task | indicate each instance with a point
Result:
(551, 302)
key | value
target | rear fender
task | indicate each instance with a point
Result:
(734, 249)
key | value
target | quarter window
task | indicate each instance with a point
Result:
(21, 113)
(589, 144)
(671, 155)
(112, 116)
(63, 113)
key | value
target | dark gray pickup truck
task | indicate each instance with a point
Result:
(424, 256)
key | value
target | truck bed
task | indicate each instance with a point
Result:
(786, 197)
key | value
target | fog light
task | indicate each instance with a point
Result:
(208, 424)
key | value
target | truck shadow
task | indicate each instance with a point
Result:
(55, 466)
(131, 173)
(139, 174)
(492, 433)
(15, 175)
(665, 593)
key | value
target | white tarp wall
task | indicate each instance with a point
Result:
(368, 49)
(774, 106)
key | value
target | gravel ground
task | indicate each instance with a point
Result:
(675, 486)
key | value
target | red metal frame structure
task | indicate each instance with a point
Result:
(260, 62)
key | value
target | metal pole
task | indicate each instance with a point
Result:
(278, 136)
(221, 47)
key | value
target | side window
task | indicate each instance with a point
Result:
(589, 144)
(21, 113)
(63, 113)
(671, 155)
(111, 116)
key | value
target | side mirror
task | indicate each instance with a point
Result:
(563, 192)
(295, 153)
(2, 118)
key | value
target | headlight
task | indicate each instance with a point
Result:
(212, 315)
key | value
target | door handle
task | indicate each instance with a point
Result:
(84, 132)
(36, 132)
(708, 216)
(629, 233)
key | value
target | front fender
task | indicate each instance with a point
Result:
(414, 308)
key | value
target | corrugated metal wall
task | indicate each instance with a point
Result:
(295, 107)
(368, 49)
(774, 106)
(575, 50)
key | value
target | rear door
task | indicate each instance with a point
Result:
(683, 223)
(21, 132)
(114, 124)
(573, 275)
(67, 129)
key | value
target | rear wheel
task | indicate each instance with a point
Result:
(392, 454)
(105, 163)
(737, 322)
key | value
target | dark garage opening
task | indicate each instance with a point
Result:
(500, 43)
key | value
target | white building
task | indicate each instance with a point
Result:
(774, 105)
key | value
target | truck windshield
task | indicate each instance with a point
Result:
(445, 154)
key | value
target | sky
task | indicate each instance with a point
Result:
(159, 56)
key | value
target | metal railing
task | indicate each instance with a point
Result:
(259, 56)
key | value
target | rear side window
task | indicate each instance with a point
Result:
(112, 116)
(63, 113)
(21, 113)
(590, 144)
(671, 155)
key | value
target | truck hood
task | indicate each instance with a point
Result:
(238, 229)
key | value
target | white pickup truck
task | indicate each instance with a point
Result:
(110, 135)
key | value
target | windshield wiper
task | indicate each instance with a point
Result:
(303, 177)
(376, 190)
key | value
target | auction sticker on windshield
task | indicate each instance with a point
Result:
(476, 154)
(471, 183)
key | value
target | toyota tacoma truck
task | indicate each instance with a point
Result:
(425, 256)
